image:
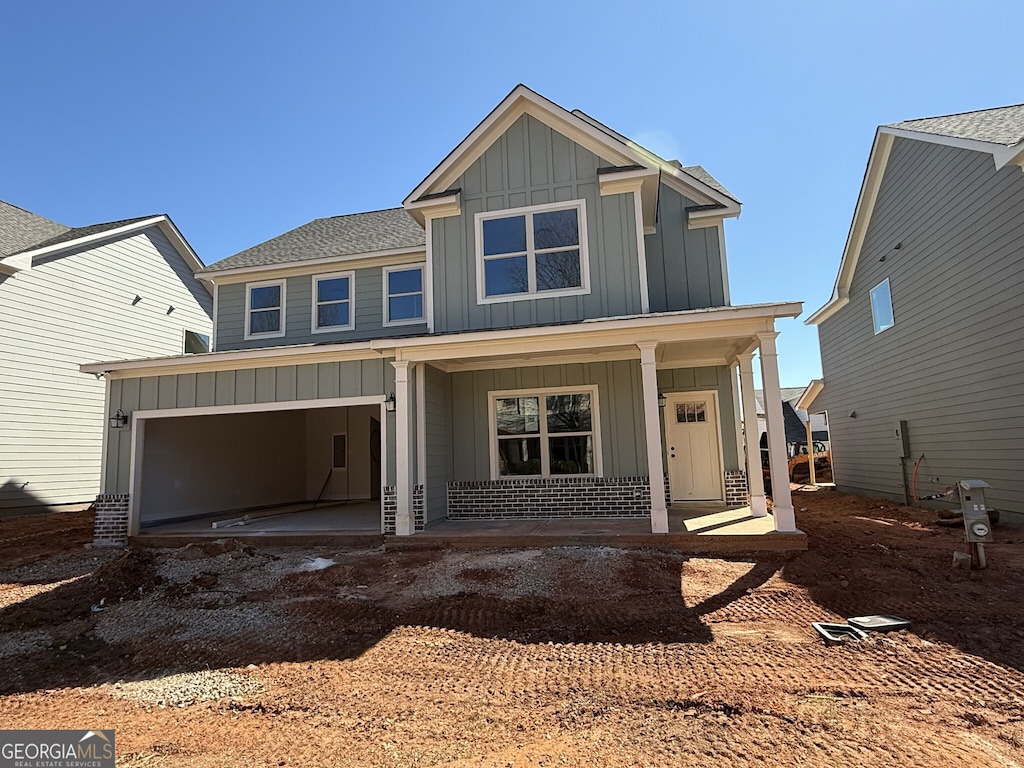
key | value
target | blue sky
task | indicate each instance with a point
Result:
(245, 120)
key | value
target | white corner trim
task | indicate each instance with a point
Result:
(641, 251)
(386, 320)
(315, 303)
(216, 311)
(428, 277)
(478, 220)
(248, 309)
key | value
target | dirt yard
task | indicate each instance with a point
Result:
(224, 654)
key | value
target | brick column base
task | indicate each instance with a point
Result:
(736, 489)
(111, 526)
(389, 503)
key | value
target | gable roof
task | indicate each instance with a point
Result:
(68, 238)
(20, 229)
(392, 229)
(1002, 125)
(998, 132)
(610, 146)
(788, 394)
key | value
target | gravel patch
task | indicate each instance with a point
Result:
(17, 643)
(186, 688)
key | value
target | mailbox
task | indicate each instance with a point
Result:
(972, 502)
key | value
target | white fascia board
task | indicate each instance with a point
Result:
(1002, 154)
(521, 101)
(172, 233)
(878, 160)
(697, 190)
(288, 268)
(434, 208)
(699, 321)
(109, 234)
(807, 398)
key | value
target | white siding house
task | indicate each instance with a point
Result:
(67, 296)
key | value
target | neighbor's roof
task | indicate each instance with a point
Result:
(354, 233)
(1001, 125)
(788, 394)
(20, 229)
(78, 232)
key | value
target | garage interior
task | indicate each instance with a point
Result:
(316, 469)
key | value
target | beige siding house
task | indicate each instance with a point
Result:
(69, 295)
(926, 322)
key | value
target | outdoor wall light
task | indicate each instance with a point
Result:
(118, 420)
(389, 403)
(661, 399)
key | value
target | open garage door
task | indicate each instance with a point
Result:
(308, 469)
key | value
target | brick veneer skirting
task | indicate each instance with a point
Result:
(550, 497)
(735, 489)
(389, 503)
(111, 526)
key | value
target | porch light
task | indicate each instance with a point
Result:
(118, 420)
(389, 403)
(661, 399)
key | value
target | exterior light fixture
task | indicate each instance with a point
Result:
(119, 419)
(661, 399)
(389, 403)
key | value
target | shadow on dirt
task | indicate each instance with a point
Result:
(126, 621)
(871, 556)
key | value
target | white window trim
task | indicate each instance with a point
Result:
(871, 301)
(248, 309)
(542, 392)
(388, 322)
(314, 304)
(479, 218)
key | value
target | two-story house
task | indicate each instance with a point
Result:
(542, 329)
(70, 294)
(922, 340)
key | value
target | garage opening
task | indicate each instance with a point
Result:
(303, 470)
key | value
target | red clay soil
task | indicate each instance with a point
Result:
(227, 654)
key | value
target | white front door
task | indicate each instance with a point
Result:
(692, 443)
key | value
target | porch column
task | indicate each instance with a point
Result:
(403, 460)
(755, 480)
(781, 499)
(652, 424)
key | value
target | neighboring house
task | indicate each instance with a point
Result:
(496, 347)
(926, 321)
(794, 418)
(68, 295)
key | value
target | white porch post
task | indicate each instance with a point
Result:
(652, 424)
(781, 498)
(403, 460)
(755, 480)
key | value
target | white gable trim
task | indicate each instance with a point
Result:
(1001, 156)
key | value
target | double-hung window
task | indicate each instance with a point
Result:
(544, 433)
(881, 307)
(264, 312)
(527, 253)
(332, 302)
(403, 295)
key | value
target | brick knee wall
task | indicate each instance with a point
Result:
(736, 489)
(543, 497)
(111, 526)
(389, 503)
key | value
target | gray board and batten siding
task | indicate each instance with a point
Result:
(531, 164)
(72, 307)
(278, 384)
(620, 405)
(367, 302)
(952, 365)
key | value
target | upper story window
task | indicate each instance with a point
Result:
(264, 309)
(544, 433)
(526, 253)
(332, 302)
(881, 307)
(196, 342)
(403, 295)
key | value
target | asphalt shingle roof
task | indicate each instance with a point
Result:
(698, 172)
(21, 229)
(1002, 125)
(336, 236)
(76, 232)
